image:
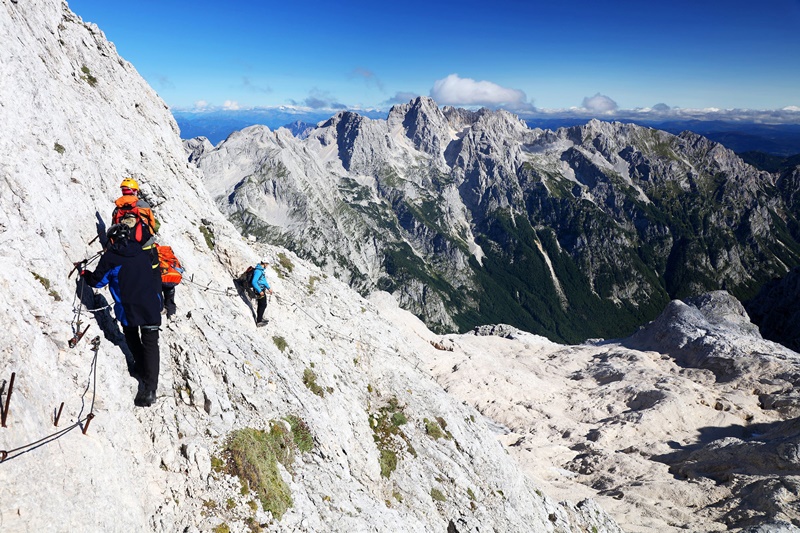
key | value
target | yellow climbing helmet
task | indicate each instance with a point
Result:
(130, 183)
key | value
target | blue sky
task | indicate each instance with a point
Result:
(522, 55)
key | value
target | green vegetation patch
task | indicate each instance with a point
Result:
(312, 282)
(46, 284)
(437, 429)
(310, 381)
(285, 264)
(438, 496)
(58, 148)
(208, 234)
(87, 75)
(301, 434)
(253, 456)
(280, 342)
(390, 439)
(217, 464)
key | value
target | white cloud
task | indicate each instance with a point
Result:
(230, 105)
(456, 91)
(787, 115)
(201, 105)
(599, 103)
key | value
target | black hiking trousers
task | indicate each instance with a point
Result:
(168, 289)
(146, 358)
(261, 307)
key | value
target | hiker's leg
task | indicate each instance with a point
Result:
(262, 306)
(134, 345)
(151, 359)
(169, 298)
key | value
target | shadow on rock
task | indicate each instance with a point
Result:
(760, 464)
(99, 306)
(240, 290)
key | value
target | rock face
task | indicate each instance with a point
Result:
(196, 147)
(471, 218)
(776, 310)
(690, 424)
(77, 118)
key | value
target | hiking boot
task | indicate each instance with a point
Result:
(145, 398)
(262, 323)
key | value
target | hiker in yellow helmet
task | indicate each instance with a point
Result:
(130, 201)
(129, 186)
(137, 214)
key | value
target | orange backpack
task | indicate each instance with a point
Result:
(170, 266)
(145, 225)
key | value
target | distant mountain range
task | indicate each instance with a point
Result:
(217, 125)
(472, 218)
(772, 139)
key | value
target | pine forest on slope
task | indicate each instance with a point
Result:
(473, 218)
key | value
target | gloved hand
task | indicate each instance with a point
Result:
(86, 275)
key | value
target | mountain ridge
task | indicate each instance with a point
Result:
(581, 205)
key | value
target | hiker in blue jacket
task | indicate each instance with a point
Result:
(136, 288)
(261, 286)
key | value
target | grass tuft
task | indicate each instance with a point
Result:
(310, 381)
(254, 456)
(301, 434)
(280, 342)
(208, 234)
(388, 436)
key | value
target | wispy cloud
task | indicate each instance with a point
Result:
(248, 84)
(401, 98)
(599, 103)
(164, 82)
(454, 90)
(201, 105)
(318, 99)
(368, 76)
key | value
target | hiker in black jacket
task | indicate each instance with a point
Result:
(136, 289)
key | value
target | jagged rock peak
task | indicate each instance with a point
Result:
(300, 129)
(421, 105)
(196, 147)
(423, 123)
